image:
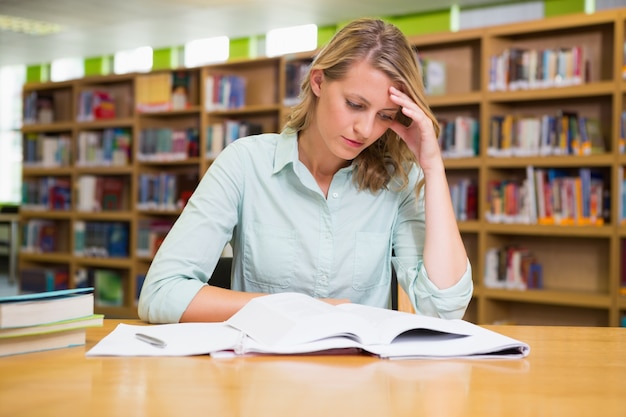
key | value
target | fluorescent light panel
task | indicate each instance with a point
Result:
(207, 51)
(67, 69)
(133, 60)
(291, 40)
(28, 26)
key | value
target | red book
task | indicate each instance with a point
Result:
(112, 193)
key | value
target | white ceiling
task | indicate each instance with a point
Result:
(101, 27)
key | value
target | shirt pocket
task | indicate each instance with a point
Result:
(269, 256)
(370, 260)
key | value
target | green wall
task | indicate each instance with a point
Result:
(561, 7)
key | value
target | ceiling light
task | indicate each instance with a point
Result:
(28, 26)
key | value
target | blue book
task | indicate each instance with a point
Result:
(117, 245)
(45, 295)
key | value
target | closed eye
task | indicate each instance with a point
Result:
(354, 105)
(386, 117)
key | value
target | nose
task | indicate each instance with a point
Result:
(365, 124)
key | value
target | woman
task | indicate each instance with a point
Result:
(354, 183)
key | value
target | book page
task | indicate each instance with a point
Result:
(483, 343)
(292, 318)
(181, 339)
(387, 325)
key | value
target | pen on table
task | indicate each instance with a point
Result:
(151, 340)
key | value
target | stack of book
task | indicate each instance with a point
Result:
(46, 320)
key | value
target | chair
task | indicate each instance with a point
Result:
(221, 274)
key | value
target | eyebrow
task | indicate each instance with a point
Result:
(366, 101)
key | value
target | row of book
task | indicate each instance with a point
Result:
(163, 91)
(165, 190)
(512, 267)
(33, 322)
(109, 283)
(47, 193)
(168, 144)
(39, 236)
(224, 92)
(107, 147)
(524, 68)
(565, 133)
(44, 150)
(295, 72)
(464, 196)
(550, 196)
(98, 193)
(95, 105)
(222, 134)
(150, 235)
(101, 239)
(434, 75)
(101, 193)
(96, 238)
(459, 137)
(41, 279)
(38, 108)
(621, 197)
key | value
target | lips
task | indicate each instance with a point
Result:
(353, 143)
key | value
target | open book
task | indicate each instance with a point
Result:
(290, 323)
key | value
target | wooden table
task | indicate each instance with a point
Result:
(570, 372)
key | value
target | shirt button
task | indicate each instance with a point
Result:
(335, 195)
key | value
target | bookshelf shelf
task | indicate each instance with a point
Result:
(582, 264)
(45, 214)
(173, 162)
(155, 212)
(192, 110)
(462, 99)
(46, 258)
(246, 111)
(596, 89)
(104, 170)
(463, 163)
(124, 263)
(29, 171)
(565, 298)
(547, 230)
(105, 215)
(48, 127)
(551, 161)
(470, 226)
(106, 123)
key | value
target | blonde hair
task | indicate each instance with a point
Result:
(386, 49)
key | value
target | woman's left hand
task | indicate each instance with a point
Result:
(420, 134)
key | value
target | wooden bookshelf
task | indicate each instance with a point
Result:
(582, 264)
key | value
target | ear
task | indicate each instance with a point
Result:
(316, 78)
